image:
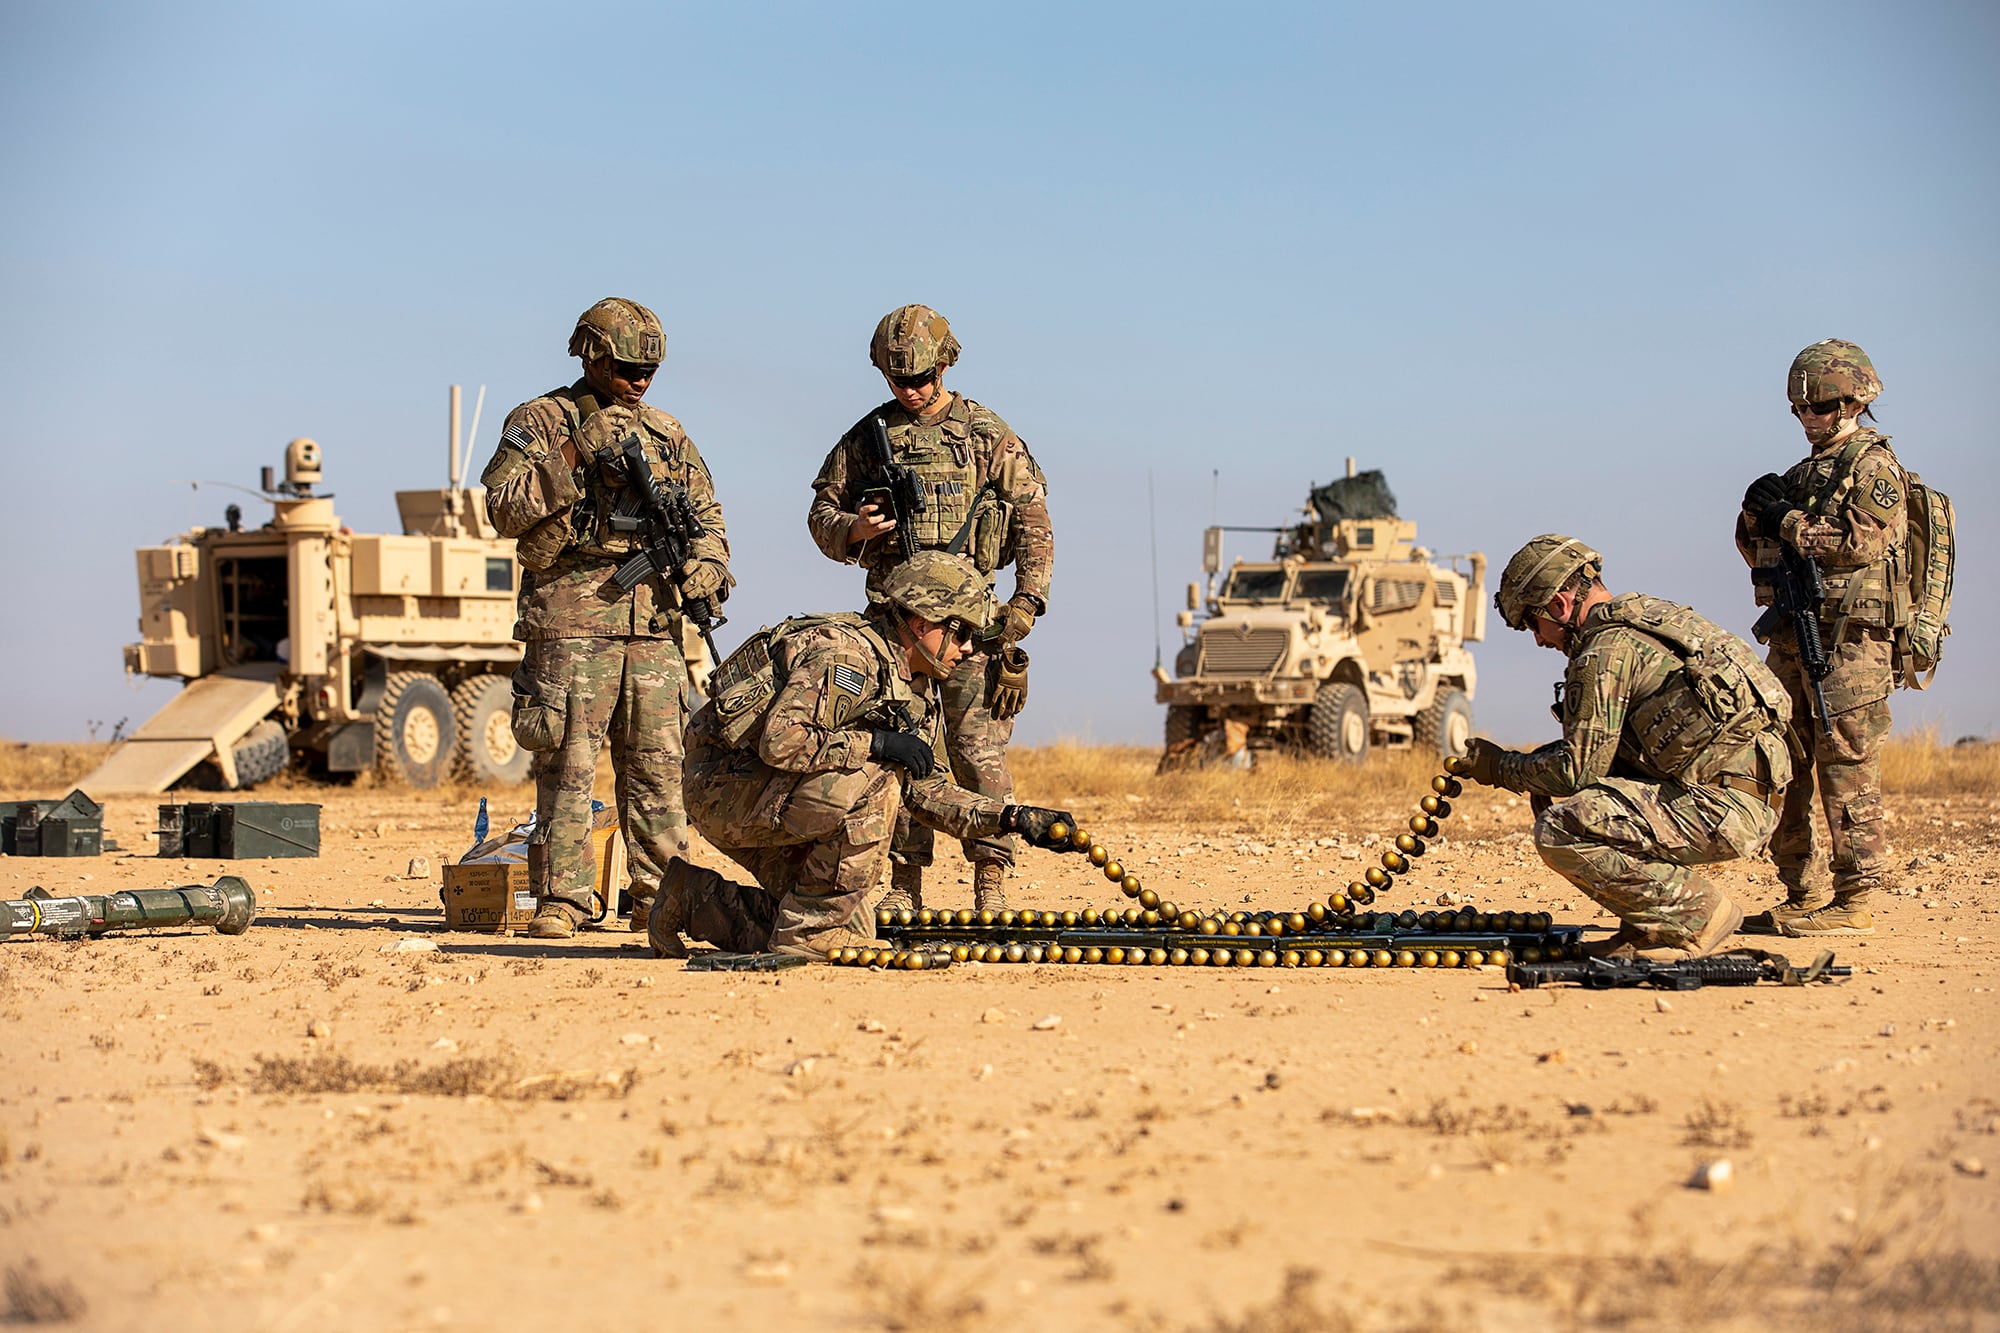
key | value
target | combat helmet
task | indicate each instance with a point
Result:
(910, 340)
(940, 586)
(1832, 368)
(1537, 573)
(620, 329)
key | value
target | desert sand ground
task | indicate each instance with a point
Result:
(326, 1123)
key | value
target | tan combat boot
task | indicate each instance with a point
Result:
(1640, 943)
(906, 888)
(1801, 899)
(554, 920)
(668, 912)
(987, 893)
(1847, 914)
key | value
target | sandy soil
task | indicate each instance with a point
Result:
(315, 1126)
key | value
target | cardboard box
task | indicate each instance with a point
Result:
(491, 894)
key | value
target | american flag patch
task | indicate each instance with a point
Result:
(519, 436)
(847, 678)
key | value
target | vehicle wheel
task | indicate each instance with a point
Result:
(1446, 726)
(1337, 727)
(1184, 723)
(415, 737)
(261, 755)
(487, 752)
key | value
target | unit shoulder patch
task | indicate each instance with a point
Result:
(1880, 494)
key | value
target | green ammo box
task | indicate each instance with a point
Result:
(240, 830)
(73, 826)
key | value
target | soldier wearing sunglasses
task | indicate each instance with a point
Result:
(985, 498)
(1843, 505)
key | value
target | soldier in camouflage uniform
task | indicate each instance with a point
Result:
(1672, 757)
(1845, 506)
(985, 497)
(817, 735)
(599, 660)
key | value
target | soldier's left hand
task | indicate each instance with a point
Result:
(1017, 617)
(702, 579)
(1007, 686)
(1482, 762)
(1768, 499)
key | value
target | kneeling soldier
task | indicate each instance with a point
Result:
(1673, 753)
(817, 733)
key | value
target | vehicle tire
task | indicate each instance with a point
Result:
(1446, 726)
(1337, 727)
(483, 708)
(1184, 723)
(262, 754)
(415, 737)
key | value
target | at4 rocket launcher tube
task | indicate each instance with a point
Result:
(228, 905)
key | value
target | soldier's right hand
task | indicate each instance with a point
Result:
(903, 749)
(1033, 822)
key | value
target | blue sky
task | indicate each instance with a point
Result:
(1545, 265)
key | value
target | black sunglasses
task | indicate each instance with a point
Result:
(634, 370)
(914, 381)
(962, 633)
(1825, 408)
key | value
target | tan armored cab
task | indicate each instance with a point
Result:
(1350, 635)
(351, 651)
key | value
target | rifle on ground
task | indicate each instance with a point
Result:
(667, 528)
(1742, 967)
(898, 488)
(1796, 592)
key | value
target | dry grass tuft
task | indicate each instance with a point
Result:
(43, 769)
(1922, 765)
(34, 1299)
(498, 1076)
(905, 1300)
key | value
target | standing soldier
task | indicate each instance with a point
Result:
(601, 658)
(818, 734)
(1844, 507)
(1672, 754)
(981, 494)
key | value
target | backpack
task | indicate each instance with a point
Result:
(1925, 570)
(745, 685)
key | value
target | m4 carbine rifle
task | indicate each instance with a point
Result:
(665, 523)
(1744, 967)
(896, 486)
(1796, 592)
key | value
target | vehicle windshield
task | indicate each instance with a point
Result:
(1258, 585)
(1322, 585)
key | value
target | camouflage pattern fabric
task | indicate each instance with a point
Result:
(957, 453)
(1618, 827)
(1850, 519)
(975, 743)
(1632, 846)
(577, 693)
(559, 515)
(1832, 368)
(1845, 768)
(806, 811)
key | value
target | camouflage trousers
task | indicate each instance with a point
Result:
(976, 743)
(1632, 846)
(632, 691)
(814, 842)
(1845, 768)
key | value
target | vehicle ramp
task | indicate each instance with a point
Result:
(204, 720)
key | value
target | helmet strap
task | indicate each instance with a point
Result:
(933, 666)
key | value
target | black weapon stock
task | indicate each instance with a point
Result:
(1743, 968)
(667, 527)
(897, 488)
(1796, 592)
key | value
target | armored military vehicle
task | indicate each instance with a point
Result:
(300, 639)
(1349, 636)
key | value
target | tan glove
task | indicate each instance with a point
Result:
(1017, 617)
(1007, 683)
(702, 579)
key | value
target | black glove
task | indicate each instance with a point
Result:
(1482, 762)
(1768, 499)
(900, 747)
(1033, 823)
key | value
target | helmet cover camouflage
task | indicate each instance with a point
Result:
(1537, 573)
(940, 586)
(910, 340)
(620, 329)
(1832, 368)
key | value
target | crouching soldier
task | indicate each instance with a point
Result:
(816, 735)
(1673, 753)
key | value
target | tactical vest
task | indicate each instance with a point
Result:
(745, 686)
(1874, 595)
(1721, 700)
(961, 513)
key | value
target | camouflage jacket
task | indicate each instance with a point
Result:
(837, 684)
(1626, 705)
(973, 467)
(559, 515)
(1853, 519)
